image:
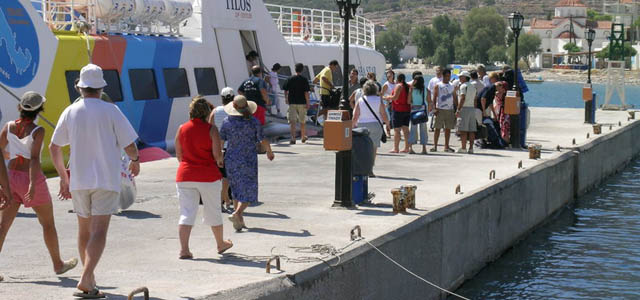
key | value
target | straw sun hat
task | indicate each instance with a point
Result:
(242, 104)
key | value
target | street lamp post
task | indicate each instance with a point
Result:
(589, 105)
(347, 10)
(516, 22)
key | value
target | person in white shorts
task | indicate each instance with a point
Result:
(97, 132)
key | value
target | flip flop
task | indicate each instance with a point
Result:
(93, 294)
(1, 278)
(225, 249)
(68, 265)
(188, 256)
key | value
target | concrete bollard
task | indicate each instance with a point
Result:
(398, 201)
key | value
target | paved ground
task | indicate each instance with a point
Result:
(296, 194)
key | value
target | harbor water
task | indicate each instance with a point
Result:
(591, 250)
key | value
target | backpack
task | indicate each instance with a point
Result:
(251, 90)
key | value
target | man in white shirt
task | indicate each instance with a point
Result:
(482, 75)
(445, 98)
(430, 90)
(97, 132)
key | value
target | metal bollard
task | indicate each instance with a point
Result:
(632, 115)
(492, 174)
(574, 141)
(354, 230)
(619, 123)
(558, 148)
(277, 259)
(139, 290)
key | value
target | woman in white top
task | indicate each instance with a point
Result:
(365, 116)
(23, 139)
(387, 89)
(217, 116)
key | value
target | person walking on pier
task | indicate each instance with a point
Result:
(242, 132)
(387, 89)
(23, 140)
(369, 112)
(325, 80)
(467, 112)
(97, 132)
(418, 103)
(445, 98)
(274, 86)
(255, 89)
(401, 102)
(199, 151)
(296, 93)
(217, 116)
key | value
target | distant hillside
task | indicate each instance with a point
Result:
(422, 11)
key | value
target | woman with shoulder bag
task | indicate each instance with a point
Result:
(419, 115)
(367, 113)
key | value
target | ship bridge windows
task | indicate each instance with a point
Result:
(285, 72)
(206, 81)
(305, 73)
(113, 88)
(175, 79)
(143, 84)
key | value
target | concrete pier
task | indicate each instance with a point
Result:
(446, 240)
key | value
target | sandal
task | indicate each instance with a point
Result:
(237, 224)
(93, 294)
(68, 265)
(304, 139)
(186, 256)
(220, 251)
(434, 149)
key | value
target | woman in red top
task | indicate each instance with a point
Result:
(199, 152)
(401, 103)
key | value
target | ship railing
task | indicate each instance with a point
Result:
(299, 24)
(69, 15)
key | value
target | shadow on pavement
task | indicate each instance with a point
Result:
(239, 260)
(376, 212)
(138, 214)
(302, 233)
(271, 214)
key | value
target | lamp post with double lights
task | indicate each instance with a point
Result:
(589, 105)
(516, 22)
(343, 197)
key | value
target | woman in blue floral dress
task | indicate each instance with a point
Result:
(242, 132)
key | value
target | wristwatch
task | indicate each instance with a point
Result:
(135, 160)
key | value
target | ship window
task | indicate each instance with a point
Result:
(176, 82)
(284, 73)
(305, 73)
(206, 81)
(317, 69)
(113, 88)
(143, 84)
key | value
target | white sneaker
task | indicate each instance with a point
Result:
(462, 150)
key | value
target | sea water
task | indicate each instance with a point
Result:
(591, 250)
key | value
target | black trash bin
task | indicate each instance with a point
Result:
(362, 163)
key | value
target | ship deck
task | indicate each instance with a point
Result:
(296, 193)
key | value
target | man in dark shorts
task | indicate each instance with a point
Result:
(325, 80)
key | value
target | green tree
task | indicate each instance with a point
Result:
(424, 38)
(571, 47)
(442, 56)
(593, 15)
(446, 30)
(498, 53)
(528, 45)
(629, 51)
(389, 43)
(483, 28)
(400, 25)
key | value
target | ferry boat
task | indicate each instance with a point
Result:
(158, 54)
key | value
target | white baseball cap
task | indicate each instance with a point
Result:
(466, 74)
(91, 77)
(228, 91)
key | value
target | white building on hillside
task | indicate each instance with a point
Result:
(556, 33)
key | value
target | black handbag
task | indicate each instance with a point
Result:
(383, 139)
(420, 116)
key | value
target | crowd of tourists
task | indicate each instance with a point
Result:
(217, 148)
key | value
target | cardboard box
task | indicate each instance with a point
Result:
(337, 131)
(512, 103)
(587, 93)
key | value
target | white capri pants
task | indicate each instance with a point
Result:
(189, 194)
